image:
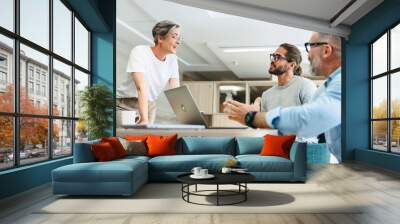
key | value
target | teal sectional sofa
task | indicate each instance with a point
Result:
(125, 176)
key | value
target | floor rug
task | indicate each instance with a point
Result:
(167, 198)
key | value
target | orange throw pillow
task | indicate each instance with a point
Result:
(116, 145)
(277, 145)
(103, 152)
(161, 145)
(136, 137)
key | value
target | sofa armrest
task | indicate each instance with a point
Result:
(298, 155)
(83, 152)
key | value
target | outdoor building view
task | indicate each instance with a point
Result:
(39, 114)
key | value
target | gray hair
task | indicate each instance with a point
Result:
(332, 40)
(162, 28)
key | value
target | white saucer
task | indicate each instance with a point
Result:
(208, 176)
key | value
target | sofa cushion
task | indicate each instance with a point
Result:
(103, 152)
(249, 145)
(257, 163)
(318, 153)
(277, 145)
(83, 152)
(136, 137)
(207, 145)
(185, 163)
(116, 145)
(134, 147)
(161, 145)
(112, 171)
(133, 157)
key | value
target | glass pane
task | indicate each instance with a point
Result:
(62, 138)
(7, 14)
(379, 135)
(379, 55)
(81, 45)
(6, 75)
(6, 142)
(62, 29)
(395, 94)
(33, 139)
(81, 81)
(62, 89)
(395, 136)
(231, 92)
(35, 21)
(81, 131)
(34, 97)
(395, 47)
(379, 97)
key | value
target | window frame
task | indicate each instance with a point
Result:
(16, 114)
(388, 74)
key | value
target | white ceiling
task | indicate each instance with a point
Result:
(207, 33)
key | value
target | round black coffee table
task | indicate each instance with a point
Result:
(238, 179)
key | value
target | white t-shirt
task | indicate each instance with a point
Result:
(156, 72)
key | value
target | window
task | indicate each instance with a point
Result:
(62, 74)
(62, 30)
(3, 61)
(7, 14)
(7, 142)
(3, 72)
(37, 74)
(81, 81)
(38, 89)
(81, 45)
(44, 91)
(30, 72)
(62, 137)
(33, 148)
(6, 74)
(385, 96)
(30, 87)
(45, 131)
(35, 21)
(3, 78)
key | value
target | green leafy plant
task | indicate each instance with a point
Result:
(96, 103)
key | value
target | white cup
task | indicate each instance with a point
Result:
(203, 172)
(226, 170)
(196, 171)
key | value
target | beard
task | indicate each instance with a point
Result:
(315, 65)
(278, 70)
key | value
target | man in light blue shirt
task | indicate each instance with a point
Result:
(321, 115)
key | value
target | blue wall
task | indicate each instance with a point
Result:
(356, 84)
(24, 178)
(99, 16)
(104, 52)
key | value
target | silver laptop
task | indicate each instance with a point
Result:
(185, 108)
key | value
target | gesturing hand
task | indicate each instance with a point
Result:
(236, 111)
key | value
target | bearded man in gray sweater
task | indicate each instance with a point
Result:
(292, 89)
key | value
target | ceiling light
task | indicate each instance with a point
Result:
(214, 14)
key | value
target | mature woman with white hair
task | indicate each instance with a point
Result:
(149, 70)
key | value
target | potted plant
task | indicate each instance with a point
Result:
(96, 103)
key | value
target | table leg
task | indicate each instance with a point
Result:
(217, 194)
(245, 193)
(196, 188)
